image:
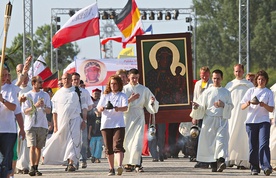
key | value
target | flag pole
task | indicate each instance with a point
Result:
(7, 18)
(99, 33)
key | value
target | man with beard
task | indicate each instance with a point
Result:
(35, 109)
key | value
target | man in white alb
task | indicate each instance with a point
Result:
(238, 140)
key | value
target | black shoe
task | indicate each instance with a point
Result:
(254, 172)
(37, 173)
(155, 160)
(201, 165)
(241, 167)
(111, 172)
(221, 164)
(93, 159)
(84, 165)
(267, 172)
(214, 166)
(32, 173)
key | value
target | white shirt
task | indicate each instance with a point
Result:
(38, 119)
(256, 113)
(111, 118)
(86, 100)
(17, 89)
(7, 121)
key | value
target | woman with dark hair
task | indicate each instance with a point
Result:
(260, 101)
(112, 121)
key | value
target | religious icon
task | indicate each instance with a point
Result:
(165, 69)
(92, 72)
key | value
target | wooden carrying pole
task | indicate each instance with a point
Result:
(7, 18)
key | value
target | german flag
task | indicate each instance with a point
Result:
(128, 18)
(52, 82)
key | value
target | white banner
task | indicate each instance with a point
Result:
(96, 72)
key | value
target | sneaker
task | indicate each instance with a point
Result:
(83, 165)
(32, 173)
(37, 173)
(254, 172)
(267, 172)
(111, 172)
(120, 171)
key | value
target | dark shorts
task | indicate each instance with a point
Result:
(36, 136)
(114, 140)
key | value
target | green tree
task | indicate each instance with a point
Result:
(218, 34)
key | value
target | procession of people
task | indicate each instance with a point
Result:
(84, 123)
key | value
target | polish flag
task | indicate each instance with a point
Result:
(82, 24)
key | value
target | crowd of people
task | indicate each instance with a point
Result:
(236, 123)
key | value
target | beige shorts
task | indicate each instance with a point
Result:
(36, 136)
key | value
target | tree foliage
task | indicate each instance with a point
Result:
(42, 46)
(218, 34)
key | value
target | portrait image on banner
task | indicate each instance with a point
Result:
(166, 67)
(96, 72)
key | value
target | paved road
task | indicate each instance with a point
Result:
(181, 167)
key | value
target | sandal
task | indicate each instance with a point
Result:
(128, 168)
(139, 169)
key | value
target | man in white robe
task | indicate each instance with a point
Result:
(86, 105)
(65, 143)
(238, 139)
(200, 86)
(139, 97)
(214, 105)
(23, 161)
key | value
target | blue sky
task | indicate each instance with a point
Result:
(90, 47)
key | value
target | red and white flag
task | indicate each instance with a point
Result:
(38, 66)
(82, 24)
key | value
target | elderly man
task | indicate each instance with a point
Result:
(67, 127)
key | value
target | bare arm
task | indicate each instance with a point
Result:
(55, 122)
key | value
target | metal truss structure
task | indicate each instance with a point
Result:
(244, 40)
